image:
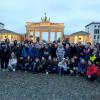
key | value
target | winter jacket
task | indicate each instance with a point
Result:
(72, 66)
(46, 53)
(37, 53)
(82, 67)
(60, 52)
(17, 51)
(53, 52)
(91, 70)
(87, 53)
(41, 52)
(67, 53)
(5, 53)
(73, 51)
(25, 52)
(93, 58)
(80, 51)
(32, 52)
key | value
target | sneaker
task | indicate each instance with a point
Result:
(14, 70)
(25, 71)
(89, 76)
(3, 70)
(47, 73)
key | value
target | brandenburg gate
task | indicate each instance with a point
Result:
(44, 26)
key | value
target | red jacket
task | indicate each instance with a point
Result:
(98, 72)
(91, 70)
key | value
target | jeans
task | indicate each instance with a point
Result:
(61, 71)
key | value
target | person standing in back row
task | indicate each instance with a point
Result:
(5, 56)
(60, 52)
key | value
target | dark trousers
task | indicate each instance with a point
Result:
(48, 68)
(20, 64)
(54, 69)
(93, 77)
(4, 63)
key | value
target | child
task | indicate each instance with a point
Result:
(62, 67)
(41, 67)
(13, 62)
(54, 65)
(36, 65)
(72, 66)
(27, 65)
(82, 67)
(49, 64)
(20, 64)
(92, 71)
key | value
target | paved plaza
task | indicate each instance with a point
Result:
(27, 86)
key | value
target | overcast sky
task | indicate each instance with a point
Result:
(74, 13)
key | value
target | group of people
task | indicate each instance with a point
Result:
(60, 58)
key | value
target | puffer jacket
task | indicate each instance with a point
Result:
(60, 52)
(92, 70)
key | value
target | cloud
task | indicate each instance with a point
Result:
(74, 13)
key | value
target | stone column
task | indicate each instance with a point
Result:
(48, 36)
(27, 34)
(34, 37)
(41, 34)
(55, 36)
(61, 37)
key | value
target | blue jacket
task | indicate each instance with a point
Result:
(25, 52)
(32, 52)
(36, 51)
(82, 67)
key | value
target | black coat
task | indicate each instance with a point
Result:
(53, 52)
(73, 51)
(17, 51)
(5, 53)
(68, 53)
(46, 53)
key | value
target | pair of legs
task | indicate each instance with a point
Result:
(62, 71)
(4, 63)
(92, 77)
